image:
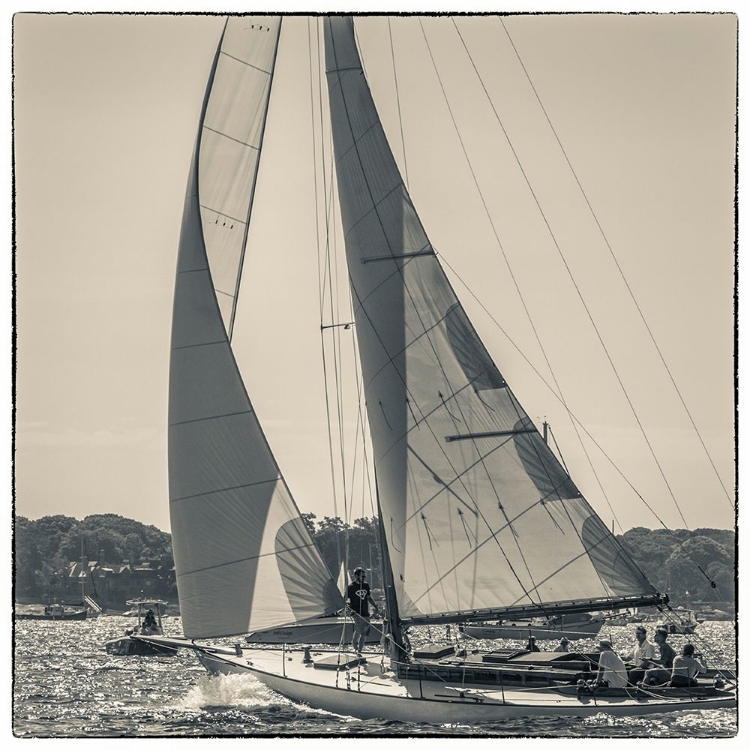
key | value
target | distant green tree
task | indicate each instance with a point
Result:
(309, 520)
(44, 548)
(684, 563)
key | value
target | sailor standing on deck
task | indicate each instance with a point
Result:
(359, 599)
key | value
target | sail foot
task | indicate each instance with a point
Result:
(539, 610)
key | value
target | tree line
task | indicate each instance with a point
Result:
(690, 566)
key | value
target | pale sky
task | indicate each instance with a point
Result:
(106, 111)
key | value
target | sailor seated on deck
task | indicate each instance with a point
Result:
(563, 645)
(661, 673)
(641, 657)
(612, 672)
(686, 667)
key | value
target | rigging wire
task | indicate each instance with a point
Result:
(616, 262)
(321, 265)
(575, 285)
(511, 273)
(458, 476)
(520, 295)
(331, 285)
(572, 415)
(438, 442)
(585, 307)
(398, 104)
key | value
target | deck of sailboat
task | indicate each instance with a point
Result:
(434, 692)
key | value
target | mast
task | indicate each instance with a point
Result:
(84, 567)
(394, 647)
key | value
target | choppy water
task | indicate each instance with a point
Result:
(66, 685)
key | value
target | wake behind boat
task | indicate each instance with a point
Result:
(478, 517)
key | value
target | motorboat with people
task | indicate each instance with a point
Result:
(55, 611)
(478, 517)
(149, 623)
(679, 621)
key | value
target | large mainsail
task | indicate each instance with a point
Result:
(478, 514)
(243, 555)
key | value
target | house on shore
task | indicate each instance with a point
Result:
(112, 584)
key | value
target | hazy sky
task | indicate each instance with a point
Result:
(106, 110)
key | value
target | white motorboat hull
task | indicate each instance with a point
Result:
(330, 631)
(367, 691)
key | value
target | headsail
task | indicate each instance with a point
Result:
(237, 534)
(478, 514)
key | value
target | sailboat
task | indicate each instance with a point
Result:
(471, 500)
(572, 627)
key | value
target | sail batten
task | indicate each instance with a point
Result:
(239, 540)
(448, 433)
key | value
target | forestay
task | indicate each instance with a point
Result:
(238, 537)
(478, 514)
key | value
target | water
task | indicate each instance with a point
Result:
(66, 685)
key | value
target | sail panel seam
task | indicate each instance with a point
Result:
(220, 213)
(209, 419)
(355, 141)
(224, 489)
(244, 62)
(194, 346)
(399, 256)
(416, 338)
(375, 204)
(246, 559)
(231, 138)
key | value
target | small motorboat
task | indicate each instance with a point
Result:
(54, 611)
(680, 621)
(149, 623)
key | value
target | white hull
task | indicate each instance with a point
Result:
(330, 631)
(368, 692)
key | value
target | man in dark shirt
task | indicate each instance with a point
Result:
(359, 600)
(662, 672)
